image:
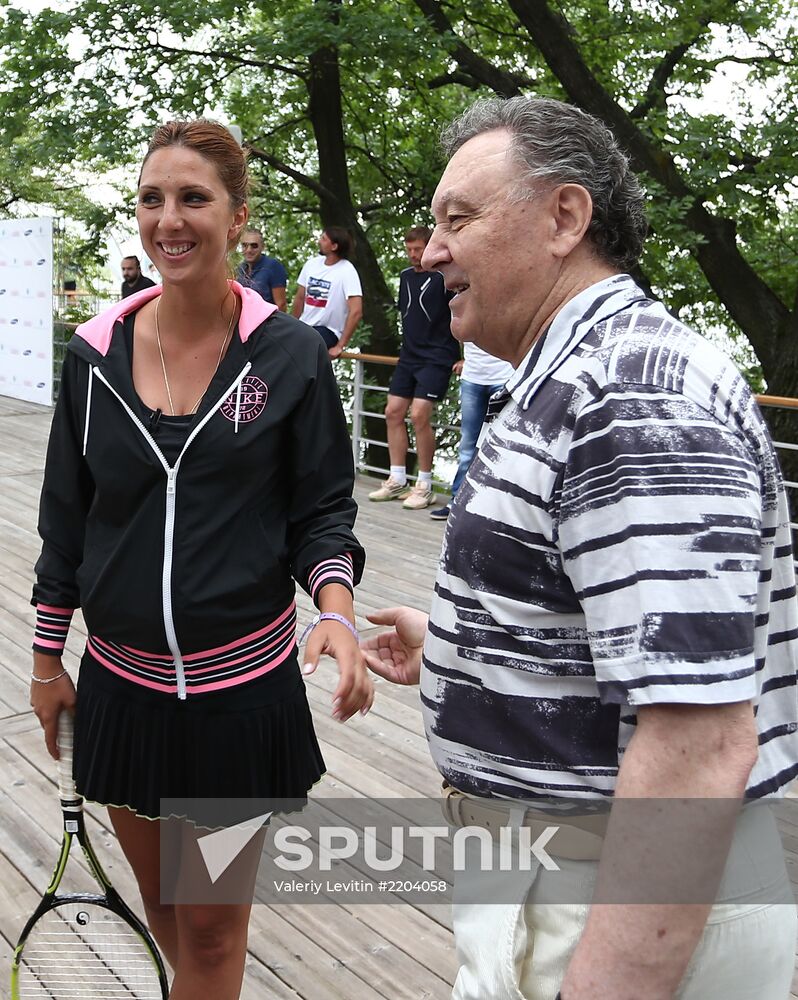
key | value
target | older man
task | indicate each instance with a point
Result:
(615, 608)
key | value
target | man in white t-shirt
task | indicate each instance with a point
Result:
(329, 296)
(480, 376)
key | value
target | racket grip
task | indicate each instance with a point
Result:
(66, 739)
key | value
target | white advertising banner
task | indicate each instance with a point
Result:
(26, 309)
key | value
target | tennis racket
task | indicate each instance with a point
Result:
(87, 945)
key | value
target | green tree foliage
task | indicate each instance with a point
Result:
(340, 104)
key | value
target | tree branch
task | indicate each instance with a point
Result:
(288, 123)
(751, 302)
(747, 162)
(501, 82)
(309, 182)
(444, 79)
(224, 55)
(655, 91)
(514, 36)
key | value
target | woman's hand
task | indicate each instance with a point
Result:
(50, 700)
(396, 655)
(355, 691)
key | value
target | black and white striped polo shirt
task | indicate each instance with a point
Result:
(621, 539)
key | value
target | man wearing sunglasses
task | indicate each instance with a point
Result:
(265, 274)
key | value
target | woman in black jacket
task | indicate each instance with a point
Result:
(198, 465)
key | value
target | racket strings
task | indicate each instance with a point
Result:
(83, 950)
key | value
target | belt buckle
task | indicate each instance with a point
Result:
(451, 804)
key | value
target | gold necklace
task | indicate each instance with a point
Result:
(163, 363)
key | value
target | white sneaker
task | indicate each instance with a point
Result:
(390, 490)
(421, 496)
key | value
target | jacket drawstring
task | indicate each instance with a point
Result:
(88, 410)
(238, 403)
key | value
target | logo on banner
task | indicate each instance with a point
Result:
(26, 309)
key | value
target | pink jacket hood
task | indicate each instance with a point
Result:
(98, 330)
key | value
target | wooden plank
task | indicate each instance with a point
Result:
(372, 950)
(279, 943)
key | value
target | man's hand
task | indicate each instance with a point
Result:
(396, 655)
(278, 294)
(299, 301)
(457, 367)
(698, 757)
(335, 352)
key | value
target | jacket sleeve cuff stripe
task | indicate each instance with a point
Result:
(52, 628)
(338, 569)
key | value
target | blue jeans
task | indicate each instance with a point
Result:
(473, 407)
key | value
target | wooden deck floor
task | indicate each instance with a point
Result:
(344, 952)
(317, 952)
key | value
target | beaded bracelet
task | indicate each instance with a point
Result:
(328, 616)
(47, 680)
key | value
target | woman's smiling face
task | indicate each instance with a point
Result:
(185, 216)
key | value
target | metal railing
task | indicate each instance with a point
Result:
(787, 403)
(355, 386)
(358, 413)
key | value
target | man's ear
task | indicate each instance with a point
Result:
(573, 212)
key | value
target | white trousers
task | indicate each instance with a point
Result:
(520, 950)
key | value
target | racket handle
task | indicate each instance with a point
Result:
(66, 739)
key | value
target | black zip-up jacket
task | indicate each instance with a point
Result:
(207, 550)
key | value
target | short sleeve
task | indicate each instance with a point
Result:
(303, 275)
(659, 527)
(279, 276)
(352, 282)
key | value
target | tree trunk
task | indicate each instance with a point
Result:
(326, 115)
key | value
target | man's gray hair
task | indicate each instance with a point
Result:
(253, 230)
(560, 144)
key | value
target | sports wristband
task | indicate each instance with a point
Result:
(328, 616)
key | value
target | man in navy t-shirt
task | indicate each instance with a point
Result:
(265, 274)
(422, 375)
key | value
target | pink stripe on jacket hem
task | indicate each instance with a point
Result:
(194, 688)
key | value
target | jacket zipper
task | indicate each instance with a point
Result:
(169, 520)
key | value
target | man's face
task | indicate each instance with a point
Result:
(130, 271)
(252, 245)
(415, 251)
(496, 254)
(326, 245)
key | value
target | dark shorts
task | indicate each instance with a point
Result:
(327, 336)
(420, 381)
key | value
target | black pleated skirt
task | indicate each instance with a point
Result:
(136, 747)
